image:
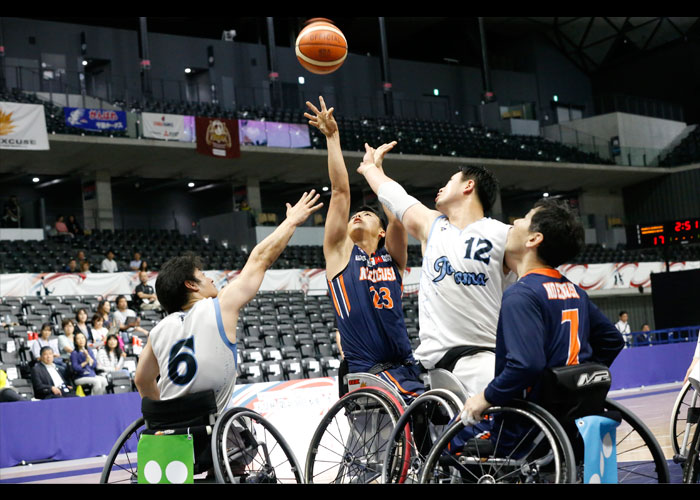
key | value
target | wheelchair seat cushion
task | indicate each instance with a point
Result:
(570, 392)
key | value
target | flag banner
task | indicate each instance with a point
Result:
(95, 120)
(217, 137)
(167, 127)
(23, 126)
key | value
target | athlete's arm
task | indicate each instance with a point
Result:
(146, 373)
(396, 240)
(242, 290)
(336, 243)
(416, 217)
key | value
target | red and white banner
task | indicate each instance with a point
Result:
(167, 127)
(23, 127)
(217, 137)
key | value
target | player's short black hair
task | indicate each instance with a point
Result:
(382, 220)
(486, 184)
(170, 283)
(621, 313)
(562, 230)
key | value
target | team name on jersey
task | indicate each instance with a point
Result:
(560, 291)
(444, 268)
(375, 275)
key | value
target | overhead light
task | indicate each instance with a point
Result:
(436, 92)
(555, 98)
(545, 195)
(188, 70)
(325, 188)
(301, 80)
(190, 184)
(85, 63)
(35, 179)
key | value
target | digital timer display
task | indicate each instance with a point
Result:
(677, 232)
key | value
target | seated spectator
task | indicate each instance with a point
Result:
(85, 267)
(109, 265)
(72, 267)
(7, 393)
(99, 332)
(144, 266)
(84, 364)
(122, 319)
(65, 341)
(146, 295)
(61, 227)
(135, 264)
(80, 256)
(81, 323)
(103, 308)
(11, 213)
(110, 357)
(73, 225)
(47, 381)
(46, 340)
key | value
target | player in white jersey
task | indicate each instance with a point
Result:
(193, 349)
(463, 274)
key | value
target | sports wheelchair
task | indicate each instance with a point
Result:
(238, 446)
(689, 453)
(684, 420)
(528, 443)
(371, 436)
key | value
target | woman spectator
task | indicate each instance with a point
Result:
(85, 267)
(61, 227)
(110, 358)
(84, 364)
(46, 339)
(81, 323)
(143, 266)
(65, 341)
(99, 332)
(103, 308)
(73, 225)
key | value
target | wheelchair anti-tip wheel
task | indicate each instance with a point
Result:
(249, 449)
(348, 445)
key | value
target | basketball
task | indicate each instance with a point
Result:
(321, 47)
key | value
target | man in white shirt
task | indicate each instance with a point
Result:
(109, 265)
(136, 263)
(624, 328)
(46, 380)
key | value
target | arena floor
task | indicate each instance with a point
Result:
(652, 404)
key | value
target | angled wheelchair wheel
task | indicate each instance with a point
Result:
(691, 467)
(520, 447)
(427, 418)
(120, 466)
(640, 458)
(682, 427)
(348, 445)
(249, 449)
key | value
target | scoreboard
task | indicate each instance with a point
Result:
(676, 232)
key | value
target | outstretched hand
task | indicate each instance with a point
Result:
(377, 155)
(322, 120)
(306, 205)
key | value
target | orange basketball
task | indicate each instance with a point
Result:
(321, 47)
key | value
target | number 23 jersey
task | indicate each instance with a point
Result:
(461, 286)
(194, 353)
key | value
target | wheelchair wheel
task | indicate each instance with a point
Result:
(120, 466)
(691, 468)
(249, 449)
(349, 443)
(682, 429)
(640, 458)
(520, 447)
(427, 417)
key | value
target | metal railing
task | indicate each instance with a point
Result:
(665, 336)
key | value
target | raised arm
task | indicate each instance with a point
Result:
(240, 291)
(336, 243)
(396, 240)
(416, 217)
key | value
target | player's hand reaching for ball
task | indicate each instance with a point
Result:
(297, 214)
(376, 156)
(322, 120)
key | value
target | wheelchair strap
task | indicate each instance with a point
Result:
(380, 367)
(452, 356)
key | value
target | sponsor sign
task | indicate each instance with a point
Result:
(23, 126)
(217, 137)
(167, 127)
(95, 120)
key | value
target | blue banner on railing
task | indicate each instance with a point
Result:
(95, 120)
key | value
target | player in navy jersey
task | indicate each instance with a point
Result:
(545, 320)
(365, 262)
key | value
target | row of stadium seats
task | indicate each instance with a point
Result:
(687, 151)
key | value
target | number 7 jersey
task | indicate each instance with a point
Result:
(461, 285)
(194, 353)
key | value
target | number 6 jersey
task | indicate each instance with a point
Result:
(194, 353)
(461, 285)
(369, 312)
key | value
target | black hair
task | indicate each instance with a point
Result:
(486, 184)
(117, 349)
(96, 317)
(78, 312)
(170, 283)
(562, 230)
(621, 313)
(382, 220)
(75, 340)
(65, 321)
(41, 351)
(46, 325)
(120, 297)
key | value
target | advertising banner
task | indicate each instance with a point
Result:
(167, 127)
(217, 137)
(23, 127)
(95, 120)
